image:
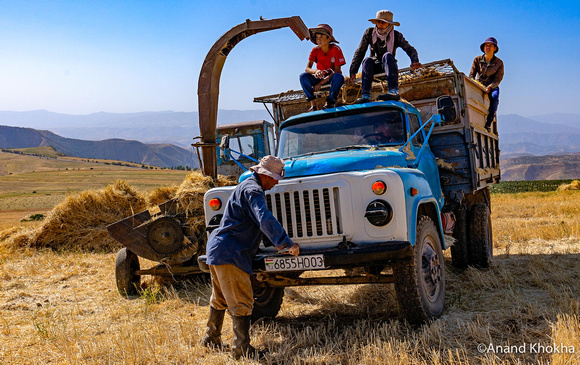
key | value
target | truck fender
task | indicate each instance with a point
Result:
(425, 205)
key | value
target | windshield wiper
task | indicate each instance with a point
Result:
(353, 147)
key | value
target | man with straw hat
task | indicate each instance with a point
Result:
(231, 249)
(329, 59)
(383, 41)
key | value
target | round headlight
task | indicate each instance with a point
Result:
(215, 204)
(379, 187)
(379, 213)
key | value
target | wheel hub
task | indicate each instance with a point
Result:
(165, 236)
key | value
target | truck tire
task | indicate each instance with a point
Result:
(459, 254)
(126, 264)
(267, 300)
(480, 236)
(420, 281)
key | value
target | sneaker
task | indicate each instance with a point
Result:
(390, 96)
(362, 100)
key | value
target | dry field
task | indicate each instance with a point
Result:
(33, 185)
(63, 307)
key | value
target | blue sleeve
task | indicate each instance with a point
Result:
(268, 224)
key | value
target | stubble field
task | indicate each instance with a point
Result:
(63, 307)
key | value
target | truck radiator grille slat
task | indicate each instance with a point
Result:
(307, 213)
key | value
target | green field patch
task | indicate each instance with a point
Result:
(527, 186)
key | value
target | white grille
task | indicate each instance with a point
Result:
(308, 213)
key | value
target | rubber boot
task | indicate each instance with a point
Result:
(242, 347)
(213, 335)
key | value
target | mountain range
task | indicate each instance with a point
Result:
(162, 155)
(178, 128)
(158, 138)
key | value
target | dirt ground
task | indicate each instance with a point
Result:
(63, 307)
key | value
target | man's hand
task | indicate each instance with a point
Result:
(416, 65)
(488, 89)
(318, 74)
(294, 250)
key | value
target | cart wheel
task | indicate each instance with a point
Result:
(125, 266)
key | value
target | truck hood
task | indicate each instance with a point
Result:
(342, 161)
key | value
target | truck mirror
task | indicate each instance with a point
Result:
(446, 108)
(224, 145)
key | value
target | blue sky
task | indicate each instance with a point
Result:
(82, 57)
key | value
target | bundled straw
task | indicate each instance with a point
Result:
(574, 185)
(80, 221)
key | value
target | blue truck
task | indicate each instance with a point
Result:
(375, 192)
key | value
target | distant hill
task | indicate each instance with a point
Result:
(525, 136)
(162, 155)
(148, 127)
(553, 167)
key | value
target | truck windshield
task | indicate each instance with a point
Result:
(378, 128)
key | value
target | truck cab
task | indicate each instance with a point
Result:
(240, 145)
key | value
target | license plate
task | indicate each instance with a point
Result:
(294, 263)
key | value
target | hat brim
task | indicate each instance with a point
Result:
(483, 44)
(314, 31)
(262, 171)
(375, 21)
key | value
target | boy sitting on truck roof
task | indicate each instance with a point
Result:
(383, 40)
(328, 58)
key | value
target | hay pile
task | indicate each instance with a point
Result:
(80, 221)
(574, 185)
(190, 194)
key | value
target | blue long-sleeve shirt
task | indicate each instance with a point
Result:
(246, 218)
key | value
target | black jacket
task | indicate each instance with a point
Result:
(377, 52)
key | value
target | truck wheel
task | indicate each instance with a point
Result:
(459, 254)
(267, 300)
(125, 266)
(480, 240)
(420, 281)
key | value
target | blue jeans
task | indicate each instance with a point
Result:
(372, 66)
(493, 103)
(307, 81)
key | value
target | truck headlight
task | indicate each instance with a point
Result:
(379, 213)
(215, 204)
(379, 187)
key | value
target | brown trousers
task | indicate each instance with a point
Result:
(231, 289)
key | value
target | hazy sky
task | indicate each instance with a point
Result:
(81, 57)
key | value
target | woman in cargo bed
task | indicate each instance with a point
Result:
(489, 71)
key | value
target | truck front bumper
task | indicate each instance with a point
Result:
(337, 257)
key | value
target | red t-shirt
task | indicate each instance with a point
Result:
(323, 61)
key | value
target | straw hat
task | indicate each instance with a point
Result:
(322, 29)
(384, 16)
(270, 165)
